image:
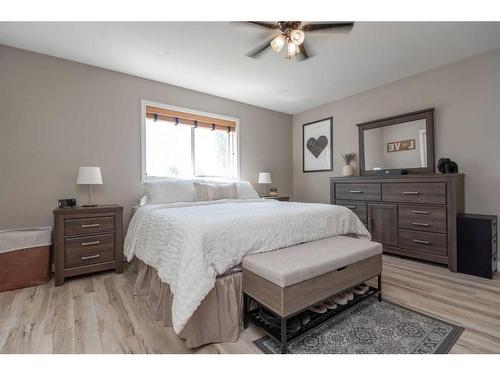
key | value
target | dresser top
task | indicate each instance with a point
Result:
(405, 177)
(81, 209)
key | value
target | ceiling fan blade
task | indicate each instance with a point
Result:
(267, 25)
(260, 48)
(343, 26)
(303, 55)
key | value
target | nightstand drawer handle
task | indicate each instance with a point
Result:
(422, 242)
(421, 224)
(90, 257)
(91, 243)
(420, 212)
(355, 191)
(411, 193)
(90, 225)
(350, 207)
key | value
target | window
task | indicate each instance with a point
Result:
(184, 143)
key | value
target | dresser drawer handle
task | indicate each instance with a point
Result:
(90, 225)
(411, 193)
(422, 242)
(90, 257)
(91, 243)
(356, 191)
(421, 224)
(420, 212)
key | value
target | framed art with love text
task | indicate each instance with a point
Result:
(317, 146)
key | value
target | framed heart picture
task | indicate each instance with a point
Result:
(317, 146)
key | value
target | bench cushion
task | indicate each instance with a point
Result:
(301, 262)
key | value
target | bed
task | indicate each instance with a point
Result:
(189, 252)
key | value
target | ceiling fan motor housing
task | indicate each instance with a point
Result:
(287, 26)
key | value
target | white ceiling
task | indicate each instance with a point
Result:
(210, 56)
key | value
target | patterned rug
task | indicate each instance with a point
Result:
(373, 327)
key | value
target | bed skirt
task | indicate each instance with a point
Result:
(217, 319)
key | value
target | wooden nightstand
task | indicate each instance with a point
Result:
(87, 239)
(282, 199)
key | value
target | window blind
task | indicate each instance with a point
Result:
(184, 118)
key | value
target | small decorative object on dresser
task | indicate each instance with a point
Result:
(273, 192)
(89, 176)
(347, 169)
(87, 239)
(317, 150)
(446, 165)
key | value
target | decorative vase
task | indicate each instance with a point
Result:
(347, 170)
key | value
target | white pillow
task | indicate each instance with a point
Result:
(170, 191)
(205, 191)
(246, 190)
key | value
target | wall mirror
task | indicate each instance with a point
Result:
(399, 142)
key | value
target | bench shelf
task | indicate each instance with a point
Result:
(279, 332)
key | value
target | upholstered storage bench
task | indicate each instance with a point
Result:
(289, 281)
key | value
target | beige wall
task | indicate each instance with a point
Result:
(466, 96)
(57, 115)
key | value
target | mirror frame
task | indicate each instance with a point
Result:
(426, 114)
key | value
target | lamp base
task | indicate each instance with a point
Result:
(89, 205)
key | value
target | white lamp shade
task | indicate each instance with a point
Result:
(89, 176)
(265, 178)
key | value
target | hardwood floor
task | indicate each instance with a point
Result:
(98, 314)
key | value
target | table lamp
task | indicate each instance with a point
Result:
(89, 176)
(265, 178)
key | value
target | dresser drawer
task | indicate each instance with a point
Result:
(432, 243)
(359, 208)
(86, 250)
(360, 192)
(420, 192)
(424, 218)
(78, 227)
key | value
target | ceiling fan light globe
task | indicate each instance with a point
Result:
(292, 49)
(297, 36)
(278, 43)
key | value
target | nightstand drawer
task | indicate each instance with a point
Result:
(82, 251)
(78, 227)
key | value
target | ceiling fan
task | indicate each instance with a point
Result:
(292, 34)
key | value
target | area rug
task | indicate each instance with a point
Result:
(373, 327)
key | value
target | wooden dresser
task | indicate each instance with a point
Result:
(87, 239)
(412, 215)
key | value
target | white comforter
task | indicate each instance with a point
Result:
(191, 243)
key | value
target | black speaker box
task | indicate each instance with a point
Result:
(477, 245)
